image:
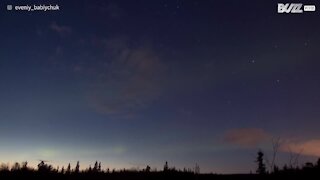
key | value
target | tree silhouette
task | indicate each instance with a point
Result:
(45, 171)
(276, 143)
(166, 167)
(4, 167)
(15, 167)
(41, 164)
(99, 167)
(260, 161)
(197, 169)
(77, 169)
(308, 165)
(68, 171)
(148, 168)
(44, 168)
(95, 167)
(24, 166)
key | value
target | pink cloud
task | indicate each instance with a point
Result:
(307, 147)
(246, 137)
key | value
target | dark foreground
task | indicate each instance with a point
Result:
(152, 175)
(47, 172)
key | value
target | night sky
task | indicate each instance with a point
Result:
(135, 83)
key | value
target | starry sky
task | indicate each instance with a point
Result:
(136, 83)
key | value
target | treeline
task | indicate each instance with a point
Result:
(97, 168)
(291, 171)
(46, 171)
(262, 167)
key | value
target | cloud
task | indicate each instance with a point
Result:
(252, 137)
(246, 137)
(130, 79)
(60, 29)
(306, 147)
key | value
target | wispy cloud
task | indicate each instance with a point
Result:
(60, 29)
(252, 137)
(246, 137)
(131, 80)
(307, 147)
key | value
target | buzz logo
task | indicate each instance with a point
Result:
(294, 8)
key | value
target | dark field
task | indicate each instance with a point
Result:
(308, 171)
(154, 175)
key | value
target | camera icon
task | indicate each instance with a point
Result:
(9, 7)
